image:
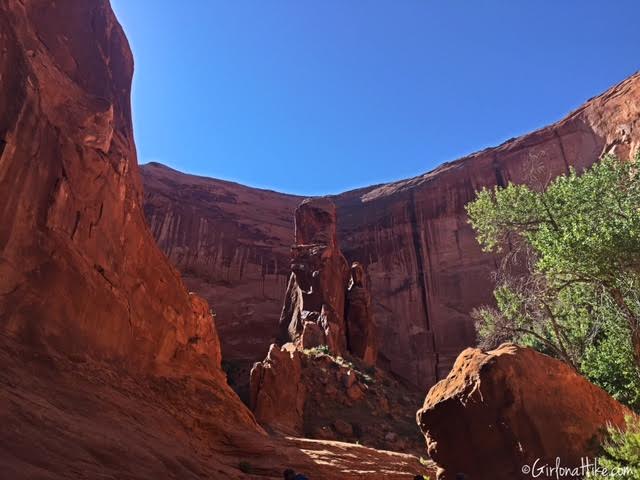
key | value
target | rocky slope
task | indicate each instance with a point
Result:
(109, 367)
(426, 270)
(314, 394)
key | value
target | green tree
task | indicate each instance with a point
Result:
(570, 276)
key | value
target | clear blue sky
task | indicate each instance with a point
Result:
(321, 96)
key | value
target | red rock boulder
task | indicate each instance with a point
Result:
(498, 412)
(277, 393)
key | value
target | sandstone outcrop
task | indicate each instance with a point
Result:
(313, 394)
(326, 303)
(317, 286)
(425, 268)
(499, 411)
(278, 394)
(110, 368)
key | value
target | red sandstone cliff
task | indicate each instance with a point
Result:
(232, 245)
(427, 271)
(79, 271)
(109, 367)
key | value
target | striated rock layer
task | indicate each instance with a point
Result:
(231, 244)
(499, 411)
(426, 270)
(109, 367)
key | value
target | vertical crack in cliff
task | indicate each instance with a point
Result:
(421, 274)
(75, 225)
(2, 145)
(500, 180)
(564, 156)
(417, 246)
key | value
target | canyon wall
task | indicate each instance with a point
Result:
(110, 369)
(425, 268)
(79, 271)
(232, 245)
(427, 271)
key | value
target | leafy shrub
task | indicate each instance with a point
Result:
(622, 452)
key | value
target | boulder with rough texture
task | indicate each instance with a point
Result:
(426, 270)
(499, 411)
(109, 367)
(277, 393)
(317, 286)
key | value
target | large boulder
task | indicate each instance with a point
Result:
(277, 393)
(498, 412)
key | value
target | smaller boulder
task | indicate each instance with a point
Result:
(343, 428)
(312, 335)
(348, 378)
(277, 393)
(355, 392)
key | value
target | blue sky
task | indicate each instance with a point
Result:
(321, 96)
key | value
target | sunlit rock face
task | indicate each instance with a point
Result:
(498, 413)
(79, 271)
(425, 268)
(109, 367)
